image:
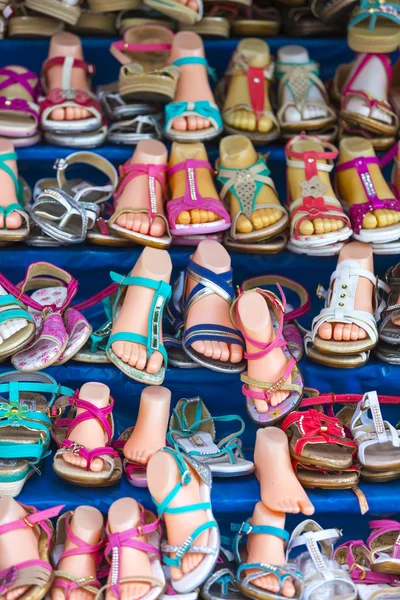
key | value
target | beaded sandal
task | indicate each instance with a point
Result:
(155, 174)
(149, 528)
(153, 341)
(282, 573)
(19, 111)
(35, 575)
(191, 580)
(267, 388)
(375, 26)
(63, 426)
(221, 585)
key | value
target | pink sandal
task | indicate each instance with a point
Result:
(355, 558)
(36, 575)
(19, 117)
(149, 526)
(64, 579)
(155, 173)
(384, 546)
(193, 200)
(112, 469)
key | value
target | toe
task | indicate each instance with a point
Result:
(118, 348)
(145, 225)
(142, 358)
(70, 114)
(325, 331)
(126, 354)
(306, 507)
(14, 221)
(203, 216)
(192, 123)
(96, 465)
(362, 334)
(261, 406)
(216, 351)
(176, 574)
(347, 332)
(251, 121)
(154, 363)
(199, 347)
(58, 114)
(157, 228)
(208, 349)
(195, 216)
(133, 354)
(327, 225)
(319, 226)
(338, 332)
(57, 594)
(224, 351)
(236, 353)
(354, 333)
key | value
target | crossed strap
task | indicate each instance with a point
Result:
(356, 555)
(30, 572)
(282, 572)
(162, 293)
(373, 202)
(372, 9)
(209, 283)
(317, 428)
(155, 173)
(91, 412)
(314, 204)
(20, 104)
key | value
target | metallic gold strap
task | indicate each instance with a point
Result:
(281, 384)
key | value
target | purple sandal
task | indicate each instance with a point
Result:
(19, 111)
(112, 468)
(194, 200)
(34, 574)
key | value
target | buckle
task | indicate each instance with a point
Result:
(46, 312)
(245, 528)
(60, 164)
(57, 414)
(25, 520)
(363, 574)
(320, 292)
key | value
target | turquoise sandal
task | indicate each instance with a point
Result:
(23, 194)
(25, 425)
(152, 341)
(192, 430)
(282, 572)
(190, 581)
(202, 108)
(375, 27)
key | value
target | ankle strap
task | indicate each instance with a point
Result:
(35, 518)
(82, 547)
(31, 382)
(308, 160)
(190, 163)
(93, 160)
(91, 412)
(358, 163)
(196, 60)
(118, 49)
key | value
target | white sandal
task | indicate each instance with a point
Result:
(378, 441)
(322, 573)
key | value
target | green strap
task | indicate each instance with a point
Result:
(196, 60)
(18, 450)
(258, 184)
(19, 188)
(9, 299)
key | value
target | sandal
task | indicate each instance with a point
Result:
(145, 75)
(389, 332)
(136, 473)
(93, 23)
(201, 108)
(215, 23)
(257, 21)
(64, 579)
(377, 440)
(245, 184)
(13, 310)
(221, 585)
(177, 10)
(258, 81)
(153, 342)
(23, 194)
(319, 440)
(131, 131)
(375, 27)
(190, 581)
(383, 546)
(313, 477)
(299, 79)
(112, 467)
(295, 387)
(19, 110)
(342, 93)
(141, 15)
(25, 425)
(192, 431)
(210, 283)
(322, 574)
(149, 529)
(355, 558)
(63, 10)
(192, 198)
(356, 212)
(29, 26)
(100, 235)
(36, 575)
(115, 108)
(244, 581)
(301, 21)
(332, 11)
(6, 12)
(155, 173)
(314, 203)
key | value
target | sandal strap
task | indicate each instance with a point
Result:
(69, 582)
(19, 188)
(82, 547)
(91, 412)
(155, 173)
(21, 79)
(120, 48)
(382, 527)
(68, 63)
(256, 80)
(31, 520)
(360, 572)
(372, 10)
(299, 78)
(43, 274)
(196, 60)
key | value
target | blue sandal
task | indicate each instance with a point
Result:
(210, 283)
(190, 581)
(152, 342)
(282, 572)
(25, 425)
(202, 108)
(23, 194)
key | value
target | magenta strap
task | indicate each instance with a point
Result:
(126, 47)
(36, 518)
(21, 79)
(129, 171)
(96, 298)
(383, 526)
(359, 573)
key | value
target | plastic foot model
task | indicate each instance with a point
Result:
(139, 202)
(135, 344)
(193, 115)
(149, 433)
(280, 490)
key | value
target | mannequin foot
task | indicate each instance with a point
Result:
(237, 152)
(148, 435)
(268, 549)
(136, 193)
(297, 177)
(124, 514)
(162, 476)
(16, 546)
(212, 309)
(256, 321)
(255, 53)
(351, 188)
(190, 4)
(134, 314)
(372, 79)
(193, 84)
(279, 486)
(8, 193)
(205, 183)
(66, 44)
(89, 433)
(87, 524)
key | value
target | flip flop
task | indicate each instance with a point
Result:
(375, 27)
